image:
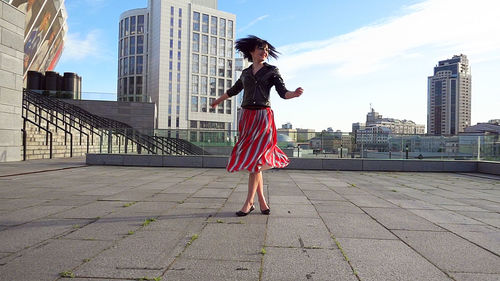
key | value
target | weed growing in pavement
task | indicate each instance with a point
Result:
(131, 232)
(128, 204)
(148, 221)
(263, 251)
(194, 237)
(67, 274)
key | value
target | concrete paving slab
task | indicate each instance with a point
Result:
(401, 219)
(348, 225)
(444, 216)
(293, 211)
(369, 201)
(475, 277)
(450, 252)
(485, 236)
(237, 242)
(283, 199)
(30, 234)
(199, 269)
(29, 214)
(322, 195)
(92, 210)
(298, 233)
(16, 204)
(414, 204)
(305, 264)
(336, 207)
(146, 253)
(382, 260)
(168, 197)
(47, 261)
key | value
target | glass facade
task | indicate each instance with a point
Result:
(212, 59)
(132, 58)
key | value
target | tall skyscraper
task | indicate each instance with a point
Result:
(449, 97)
(179, 54)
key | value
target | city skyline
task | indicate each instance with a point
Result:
(343, 56)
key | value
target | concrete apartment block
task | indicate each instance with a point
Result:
(11, 81)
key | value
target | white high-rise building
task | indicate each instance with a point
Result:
(179, 54)
(449, 97)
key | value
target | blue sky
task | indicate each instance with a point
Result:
(345, 54)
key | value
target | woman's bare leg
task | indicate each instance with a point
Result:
(260, 193)
(253, 182)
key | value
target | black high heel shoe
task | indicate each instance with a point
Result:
(266, 212)
(242, 214)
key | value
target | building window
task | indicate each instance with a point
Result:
(139, 65)
(212, 110)
(213, 45)
(172, 11)
(229, 51)
(220, 108)
(204, 44)
(230, 29)
(212, 87)
(204, 85)
(121, 28)
(228, 107)
(179, 33)
(196, 42)
(196, 63)
(140, 24)
(221, 64)
(193, 124)
(204, 106)
(222, 47)
(204, 65)
(213, 66)
(131, 65)
(131, 85)
(204, 23)
(125, 66)
(196, 21)
(194, 104)
(140, 44)
(213, 25)
(125, 46)
(180, 12)
(194, 85)
(132, 45)
(138, 85)
(229, 68)
(126, 31)
(180, 23)
(132, 25)
(222, 28)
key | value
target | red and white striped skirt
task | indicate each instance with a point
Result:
(257, 144)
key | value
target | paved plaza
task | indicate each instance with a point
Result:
(61, 218)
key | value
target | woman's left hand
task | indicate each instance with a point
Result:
(298, 92)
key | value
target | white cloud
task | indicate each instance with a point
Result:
(471, 26)
(252, 23)
(78, 47)
(388, 62)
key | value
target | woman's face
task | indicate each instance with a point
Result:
(260, 53)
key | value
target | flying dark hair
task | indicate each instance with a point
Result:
(249, 43)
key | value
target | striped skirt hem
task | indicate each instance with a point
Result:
(257, 144)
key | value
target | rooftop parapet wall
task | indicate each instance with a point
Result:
(465, 166)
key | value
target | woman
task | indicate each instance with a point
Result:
(256, 149)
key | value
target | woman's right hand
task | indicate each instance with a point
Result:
(214, 104)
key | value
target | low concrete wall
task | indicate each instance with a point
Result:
(301, 163)
(136, 114)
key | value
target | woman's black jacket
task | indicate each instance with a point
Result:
(257, 87)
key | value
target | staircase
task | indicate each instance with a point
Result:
(55, 129)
